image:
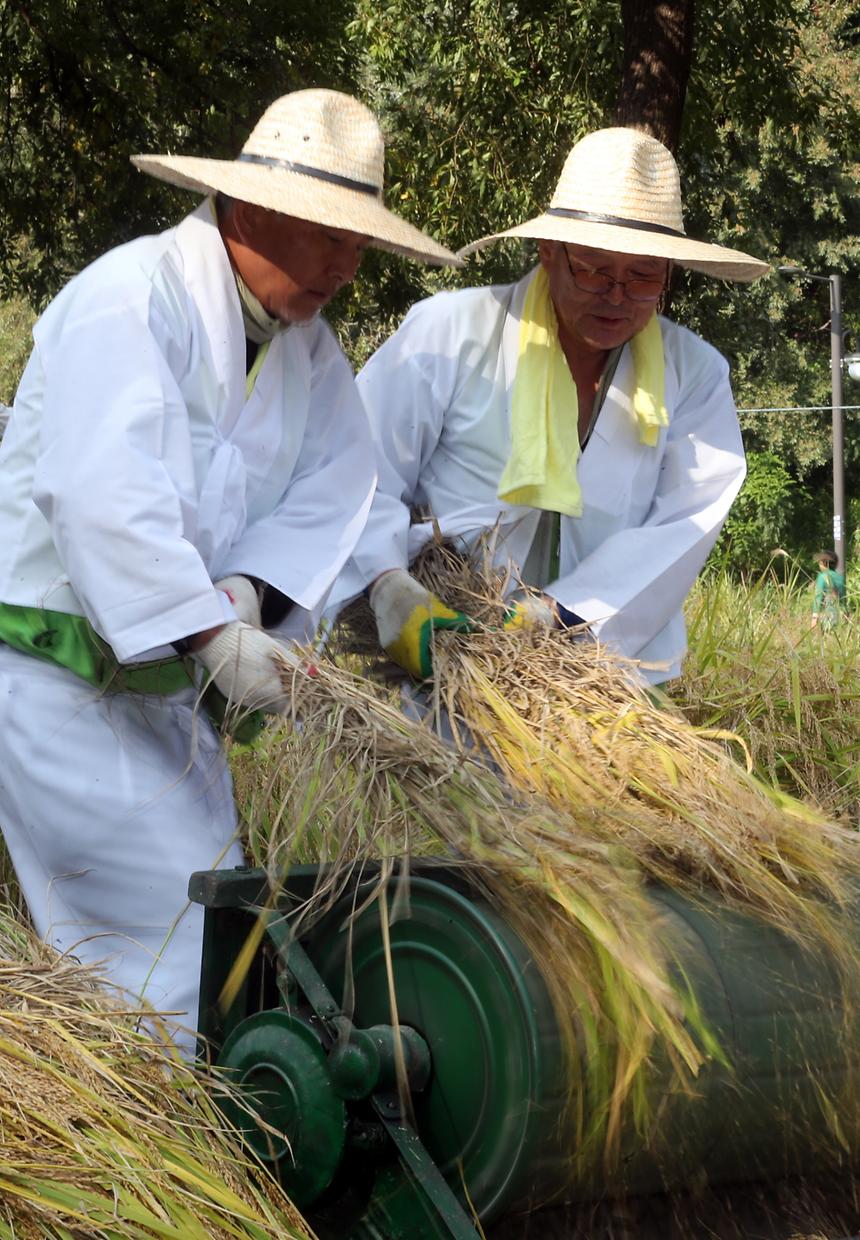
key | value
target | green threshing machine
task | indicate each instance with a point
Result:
(482, 1130)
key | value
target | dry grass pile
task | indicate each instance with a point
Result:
(565, 787)
(360, 781)
(568, 722)
(102, 1132)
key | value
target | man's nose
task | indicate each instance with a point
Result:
(615, 294)
(345, 263)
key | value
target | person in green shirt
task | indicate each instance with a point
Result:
(829, 598)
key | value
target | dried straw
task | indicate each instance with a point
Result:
(566, 720)
(360, 781)
(566, 785)
(103, 1132)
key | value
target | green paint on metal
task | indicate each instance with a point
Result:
(355, 1066)
(466, 985)
(491, 1114)
(277, 1062)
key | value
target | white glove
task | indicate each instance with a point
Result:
(249, 666)
(242, 593)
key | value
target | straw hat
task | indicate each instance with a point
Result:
(315, 154)
(828, 557)
(620, 191)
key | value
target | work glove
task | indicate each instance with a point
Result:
(248, 667)
(242, 593)
(533, 611)
(406, 617)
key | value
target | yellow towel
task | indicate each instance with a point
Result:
(649, 367)
(541, 469)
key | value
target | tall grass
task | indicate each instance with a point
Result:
(792, 693)
(16, 322)
(104, 1133)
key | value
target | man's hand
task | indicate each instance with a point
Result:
(242, 593)
(246, 664)
(533, 611)
(406, 617)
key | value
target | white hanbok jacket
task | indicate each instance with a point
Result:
(135, 472)
(438, 394)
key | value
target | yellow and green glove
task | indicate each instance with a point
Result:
(406, 617)
(530, 612)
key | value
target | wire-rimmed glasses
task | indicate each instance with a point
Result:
(587, 280)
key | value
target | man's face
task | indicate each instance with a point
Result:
(292, 267)
(599, 321)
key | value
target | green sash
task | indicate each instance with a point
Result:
(72, 642)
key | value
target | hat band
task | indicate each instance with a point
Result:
(362, 187)
(595, 217)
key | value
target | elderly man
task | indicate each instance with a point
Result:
(187, 469)
(598, 441)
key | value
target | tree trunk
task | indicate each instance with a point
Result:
(658, 50)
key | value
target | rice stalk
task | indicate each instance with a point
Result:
(566, 784)
(372, 784)
(566, 721)
(104, 1132)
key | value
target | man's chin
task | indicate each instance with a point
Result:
(295, 317)
(302, 310)
(609, 335)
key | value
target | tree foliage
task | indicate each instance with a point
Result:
(765, 514)
(87, 83)
(481, 101)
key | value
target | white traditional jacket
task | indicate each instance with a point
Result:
(438, 394)
(135, 472)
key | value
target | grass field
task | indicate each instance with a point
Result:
(791, 692)
(16, 320)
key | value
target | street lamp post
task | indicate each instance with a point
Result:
(838, 414)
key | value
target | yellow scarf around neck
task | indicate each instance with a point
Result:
(541, 468)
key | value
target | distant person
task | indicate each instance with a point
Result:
(598, 441)
(187, 468)
(829, 598)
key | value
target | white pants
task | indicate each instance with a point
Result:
(108, 804)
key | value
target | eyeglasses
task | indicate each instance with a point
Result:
(587, 280)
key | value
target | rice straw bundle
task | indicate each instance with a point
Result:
(361, 781)
(567, 721)
(103, 1133)
(567, 786)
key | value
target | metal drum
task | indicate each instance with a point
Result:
(490, 1090)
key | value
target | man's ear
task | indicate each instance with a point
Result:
(246, 219)
(546, 253)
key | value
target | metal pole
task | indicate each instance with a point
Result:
(838, 420)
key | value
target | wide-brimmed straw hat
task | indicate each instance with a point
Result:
(314, 154)
(620, 191)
